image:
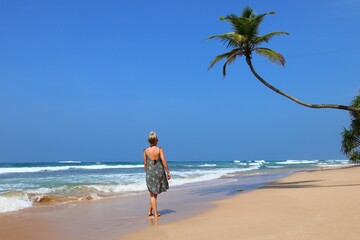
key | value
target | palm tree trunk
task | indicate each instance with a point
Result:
(336, 106)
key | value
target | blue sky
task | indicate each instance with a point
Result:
(88, 80)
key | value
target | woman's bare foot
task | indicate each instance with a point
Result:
(150, 214)
(157, 215)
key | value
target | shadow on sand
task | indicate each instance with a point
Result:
(304, 184)
(166, 211)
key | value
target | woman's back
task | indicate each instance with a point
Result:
(153, 153)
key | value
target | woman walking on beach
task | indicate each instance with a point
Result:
(155, 165)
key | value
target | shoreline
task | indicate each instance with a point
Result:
(118, 216)
(27, 185)
(312, 204)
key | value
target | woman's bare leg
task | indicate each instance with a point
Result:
(153, 201)
(150, 208)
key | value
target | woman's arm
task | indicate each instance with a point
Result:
(145, 161)
(163, 159)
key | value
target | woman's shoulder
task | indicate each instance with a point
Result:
(156, 147)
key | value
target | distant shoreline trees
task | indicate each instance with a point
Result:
(351, 137)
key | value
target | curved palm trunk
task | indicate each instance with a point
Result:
(336, 106)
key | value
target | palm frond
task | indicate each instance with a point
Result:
(233, 20)
(266, 38)
(248, 12)
(272, 55)
(254, 23)
(348, 141)
(355, 156)
(357, 140)
(355, 126)
(350, 144)
(251, 27)
(261, 16)
(231, 58)
(231, 39)
(230, 17)
(219, 58)
(239, 24)
(356, 101)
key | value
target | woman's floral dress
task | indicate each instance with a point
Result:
(156, 179)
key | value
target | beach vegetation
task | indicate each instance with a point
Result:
(244, 40)
(351, 137)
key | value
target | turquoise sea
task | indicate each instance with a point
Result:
(23, 185)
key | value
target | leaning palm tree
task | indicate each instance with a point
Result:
(351, 137)
(244, 40)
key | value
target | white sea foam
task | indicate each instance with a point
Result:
(260, 161)
(297, 162)
(241, 163)
(337, 161)
(31, 169)
(95, 167)
(120, 188)
(274, 166)
(257, 163)
(42, 190)
(14, 203)
(199, 177)
(9, 187)
(334, 163)
(94, 196)
(69, 161)
(208, 165)
(62, 168)
(181, 178)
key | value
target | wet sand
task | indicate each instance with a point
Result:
(322, 205)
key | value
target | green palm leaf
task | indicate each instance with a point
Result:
(230, 59)
(232, 39)
(272, 55)
(248, 12)
(348, 141)
(266, 38)
(219, 58)
(229, 56)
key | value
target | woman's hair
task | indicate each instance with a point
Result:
(152, 138)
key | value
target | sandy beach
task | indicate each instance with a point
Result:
(307, 205)
(319, 204)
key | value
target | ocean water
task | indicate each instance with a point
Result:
(24, 185)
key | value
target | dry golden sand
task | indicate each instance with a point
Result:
(321, 205)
